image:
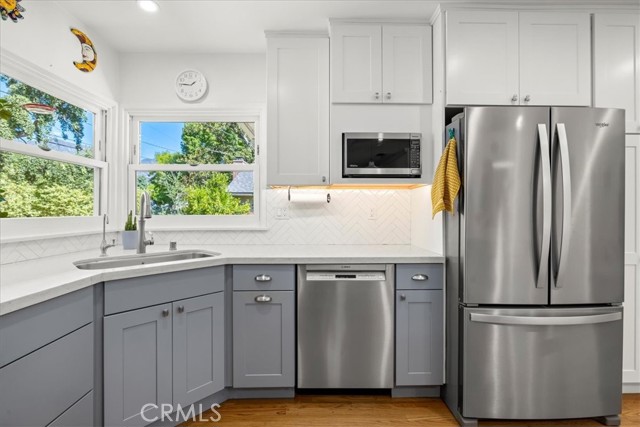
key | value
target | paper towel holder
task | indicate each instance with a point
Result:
(289, 195)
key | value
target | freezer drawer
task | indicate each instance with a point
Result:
(541, 363)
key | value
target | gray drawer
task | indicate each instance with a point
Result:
(79, 415)
(42, 385)
(26, 330)
(145, 291)
(419, 276)
(264, 277)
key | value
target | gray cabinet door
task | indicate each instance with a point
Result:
(263, 339)
(198, 348)
(419, 351)
(137, 365)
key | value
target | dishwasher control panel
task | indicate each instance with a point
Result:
(342, 275)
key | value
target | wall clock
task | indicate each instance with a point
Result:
(191, 85)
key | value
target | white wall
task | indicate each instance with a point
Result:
(235, 80)
(43, 39)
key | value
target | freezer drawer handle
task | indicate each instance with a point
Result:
(543, 264)
(420, 277)
(263, 278)
(263, 298)
(545, 321)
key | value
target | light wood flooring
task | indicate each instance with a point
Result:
(370, 411)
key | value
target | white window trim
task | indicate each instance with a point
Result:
(255, 221)
(25, 229)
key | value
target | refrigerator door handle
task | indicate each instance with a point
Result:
(545, 156)
(545, 321)
(566, 202)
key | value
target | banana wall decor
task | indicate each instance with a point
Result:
(89, 55)
(11, 9)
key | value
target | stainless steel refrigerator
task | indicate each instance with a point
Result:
(535, 264)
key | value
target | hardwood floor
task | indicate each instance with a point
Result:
(370, 411)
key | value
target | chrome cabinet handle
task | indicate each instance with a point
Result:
(403, 297)
(527, 98)
(263, 278)
(514, 98)
(545, 156)
(566, 201)
(181, 309)
(324, 179)
(263, 298)
(419, 277)
(377, 95)
(165, 313)
(388, 95)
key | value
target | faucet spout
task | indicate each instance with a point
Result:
(104, 245)
(145, 213)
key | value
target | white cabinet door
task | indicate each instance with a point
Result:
(555, 58)
(406, 64)
(482, 58)
(297, 111)
(617, 65)
(356, 57)
(631, 337)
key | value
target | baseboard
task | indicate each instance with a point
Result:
(631, 388)
(425, 391)
(261, 393)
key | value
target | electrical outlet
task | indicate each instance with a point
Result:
(282, 213)
(372, 214)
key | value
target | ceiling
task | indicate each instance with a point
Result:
(206, 26)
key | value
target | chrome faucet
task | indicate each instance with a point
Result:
(104, 245)
(145, 213)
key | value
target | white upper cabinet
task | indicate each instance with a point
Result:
(518, 58)
(381, 63)
(617, 65)
(482, 57)
(356, 54)
(297, 111)
(406, 64)
(555, 58)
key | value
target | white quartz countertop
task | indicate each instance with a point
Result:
(31, 282)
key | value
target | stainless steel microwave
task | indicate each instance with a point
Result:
(381, 155)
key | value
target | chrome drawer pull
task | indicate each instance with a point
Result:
(263, 298)
(420, 277)
(263, 278)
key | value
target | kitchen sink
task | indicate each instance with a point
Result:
(142, 259)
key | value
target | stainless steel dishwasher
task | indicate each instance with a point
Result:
(345, 326)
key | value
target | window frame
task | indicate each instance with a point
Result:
(254, 221)
(35, 228)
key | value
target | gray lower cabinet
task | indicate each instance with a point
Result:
(137, 365)
(419, 337)
(79, 415)
(198, 348)
(39, 387)
(263, 339)
(166, 354)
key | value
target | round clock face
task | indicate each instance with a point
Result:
(191, 85)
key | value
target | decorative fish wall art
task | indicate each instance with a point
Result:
(11, 9)
(89, 55)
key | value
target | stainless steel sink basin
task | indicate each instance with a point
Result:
(143, 259)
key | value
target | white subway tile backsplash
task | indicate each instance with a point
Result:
(344, 221)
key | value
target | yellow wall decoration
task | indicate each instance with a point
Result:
(89, 55)
(11, 9)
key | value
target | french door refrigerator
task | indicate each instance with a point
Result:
(535, 264)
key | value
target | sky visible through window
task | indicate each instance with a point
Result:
(158, 137)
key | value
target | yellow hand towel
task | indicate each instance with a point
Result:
(446, 182)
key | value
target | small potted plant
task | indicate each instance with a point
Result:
(130, 233)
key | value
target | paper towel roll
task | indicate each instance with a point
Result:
(309, 197)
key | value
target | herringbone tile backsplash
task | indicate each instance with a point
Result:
(344, 221)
